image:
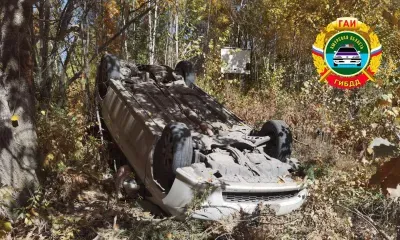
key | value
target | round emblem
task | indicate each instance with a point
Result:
(347, 53)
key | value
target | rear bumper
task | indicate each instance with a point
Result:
(216, 205)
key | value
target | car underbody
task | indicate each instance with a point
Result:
(160, 118)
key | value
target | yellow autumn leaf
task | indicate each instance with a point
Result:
(28, 221)
(5, 226)
(34, 213)
(397, 120)
(14, 118)
(395, 110)
(43, 112)
(370, 150)
(49, 158)
(169, 236)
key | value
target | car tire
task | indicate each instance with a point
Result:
(186, 70)
(173, 150)
(335, 64)
(280, 145)
(359, 65)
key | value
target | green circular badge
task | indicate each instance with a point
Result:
(347, 53)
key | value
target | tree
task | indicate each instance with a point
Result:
(18, 142)
(45, 82)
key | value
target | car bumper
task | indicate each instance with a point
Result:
(217, 205)
(347, 61)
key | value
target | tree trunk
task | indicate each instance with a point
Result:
(153, 43)
(45, 84)
(149, 47)
(125, 36)
(18, 140)
(170, 38)
(176, 34)
(85, 46)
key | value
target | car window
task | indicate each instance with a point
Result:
(347, 50)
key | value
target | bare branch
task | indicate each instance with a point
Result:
(108, 42)
(368, 220)
(105, 45)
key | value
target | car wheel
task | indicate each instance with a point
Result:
(173, 150)
(185, 68)
(359, 65)
(334, 64)
(280, 145)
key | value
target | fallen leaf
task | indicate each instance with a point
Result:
(169, 236)
(364, 133)
(370, 151)
(364, 161)
(383, 103)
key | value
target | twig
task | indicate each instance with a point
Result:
(109, 41)
(269, 223)
(300, 142)
(294, 138)
(374, 224)
(99, 122)
(281, 178)
(368, 220)
(211, 228)
(158, 221)
(130, 22)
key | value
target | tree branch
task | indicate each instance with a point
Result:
(108, 42)
(32, 1)
(105, 45)
(368, 220)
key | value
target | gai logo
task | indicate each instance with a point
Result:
(347, 53)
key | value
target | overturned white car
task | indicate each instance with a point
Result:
(180, 142)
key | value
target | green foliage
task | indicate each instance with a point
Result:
(200, 196)
(64, 135)
(30, 214)
(314, 171)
